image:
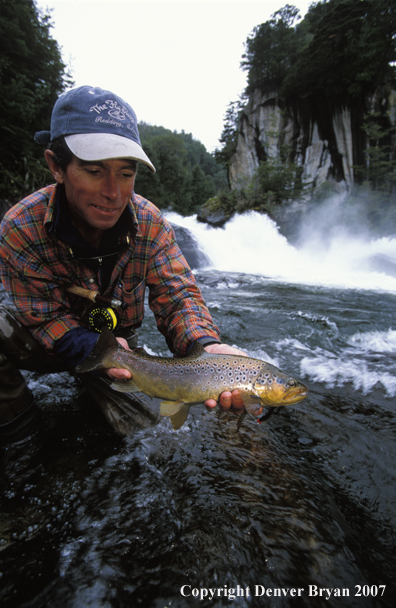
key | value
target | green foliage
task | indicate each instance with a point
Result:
(271, 50)
(32, 75)
(379, 171)
(340, 50)
(338, 55)
(349, 50)
(274, 182)
(186, 174)
(229, 135)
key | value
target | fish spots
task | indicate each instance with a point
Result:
(206, 376)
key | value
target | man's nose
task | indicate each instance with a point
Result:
(110, 187)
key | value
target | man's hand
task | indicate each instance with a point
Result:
(116, 373)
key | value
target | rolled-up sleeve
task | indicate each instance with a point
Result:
(175, 298)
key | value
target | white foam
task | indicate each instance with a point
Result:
(335, 371)
(251, 243)
(376, 341)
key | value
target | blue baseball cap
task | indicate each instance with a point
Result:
(96, 125)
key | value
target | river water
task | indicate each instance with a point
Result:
(271, 516)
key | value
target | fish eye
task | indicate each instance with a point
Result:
(292, 383)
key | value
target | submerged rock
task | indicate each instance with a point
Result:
(195, 257)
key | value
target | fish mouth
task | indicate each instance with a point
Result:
(294, 395)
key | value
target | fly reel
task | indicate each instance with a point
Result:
(100, 317)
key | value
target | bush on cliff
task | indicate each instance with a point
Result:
(274, 182)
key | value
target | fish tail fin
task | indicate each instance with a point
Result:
(176, 410)
(96, 359)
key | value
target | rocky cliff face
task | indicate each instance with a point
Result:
(326, 144)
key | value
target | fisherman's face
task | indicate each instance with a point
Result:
(98, 192)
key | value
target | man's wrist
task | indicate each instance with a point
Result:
(206, 341)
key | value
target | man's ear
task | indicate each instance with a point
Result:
(54, 167)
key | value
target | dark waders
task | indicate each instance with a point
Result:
(19, 414)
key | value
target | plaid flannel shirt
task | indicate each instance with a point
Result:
(36, 268)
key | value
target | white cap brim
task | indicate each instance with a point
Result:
(102, 146)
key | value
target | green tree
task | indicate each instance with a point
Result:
(186, 174)
(380, 162)
(229, 136)
(340, 50)
(202, 188)
(32, 75)
(339, 55)
(350, 53)
(271, 50)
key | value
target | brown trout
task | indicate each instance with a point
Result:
(183, 382)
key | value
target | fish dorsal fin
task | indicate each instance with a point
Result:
(124, 386)
(176, 410)
(106, 340)
(139, 350)
(196, 351)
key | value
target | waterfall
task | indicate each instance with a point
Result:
(251, 243)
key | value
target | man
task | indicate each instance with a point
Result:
(91, 230)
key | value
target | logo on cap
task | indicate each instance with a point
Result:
(114, 110)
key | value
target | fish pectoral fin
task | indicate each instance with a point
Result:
(252, 403)
(266, 416)
(240, 420)
(176, 410)
(124, 386)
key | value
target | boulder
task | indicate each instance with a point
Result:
(213, 213)
(189, 246)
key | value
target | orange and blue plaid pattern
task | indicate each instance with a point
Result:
(36, 268)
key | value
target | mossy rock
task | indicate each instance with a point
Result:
(214, 213)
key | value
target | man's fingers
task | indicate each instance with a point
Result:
(237, 402)
(225, 400)
(118, 374)
(228, 401)
(210, 403)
